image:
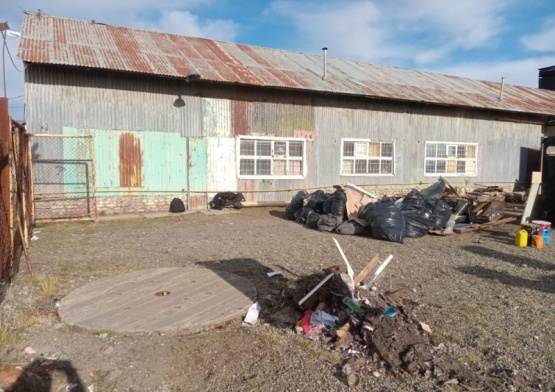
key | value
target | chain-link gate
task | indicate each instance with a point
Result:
(63, 176)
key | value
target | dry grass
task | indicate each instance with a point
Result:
(9, 336)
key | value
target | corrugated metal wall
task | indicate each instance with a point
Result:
(187, 131)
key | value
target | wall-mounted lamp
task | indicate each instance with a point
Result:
(193, 75)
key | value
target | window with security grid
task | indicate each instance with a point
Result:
(451, 159)
(271, 157)
(364, 157)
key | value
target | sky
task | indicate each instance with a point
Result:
(480, 39)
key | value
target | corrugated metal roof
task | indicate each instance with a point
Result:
(51, 40)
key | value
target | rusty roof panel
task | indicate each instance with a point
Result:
(51, 40)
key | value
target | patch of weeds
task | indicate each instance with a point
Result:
(507, 339)
(106, 333)
(48, 286)
(270, 340)
(9, 337)
(552, 354)
(469, 359)
(304, 344)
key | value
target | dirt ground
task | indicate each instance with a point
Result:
(491, 303)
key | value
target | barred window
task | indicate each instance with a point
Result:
(363, 157)
(263, 157)
(451, 159)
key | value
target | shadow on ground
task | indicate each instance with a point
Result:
(38, 376)
(276, 295)
(509, 258)
(545, 283)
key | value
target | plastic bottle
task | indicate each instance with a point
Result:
(521, 239)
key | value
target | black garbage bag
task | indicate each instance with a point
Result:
(442, 212)
(304, 213)
(312, 220)
(177, 205)
(352, 227)
(295, 205)
(386, 221)
(326, 208)
(339, 202)
(224, 199)
(419, 217)
(436, 189)
(316, 200)
(298, 216)
(327, 222)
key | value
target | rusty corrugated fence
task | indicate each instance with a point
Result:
(16, 211)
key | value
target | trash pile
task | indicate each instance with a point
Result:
(439, 209)
(375, 332)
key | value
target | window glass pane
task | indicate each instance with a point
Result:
(441, 150)
(246, 167)
(347, 167)
(461, 167)
(431, 150)
(348, 149)
(280, 166)
(263, 167)
(430, 167)
(361, 166)
(387, 149)
(295, 149)
(451, 151)
(461, 151)
(361, 149)
(451, 166)
(471, 151)
(374, 166)
(295, 168)
(247, 147)
(387, 167)
(280, 149)
(440, 167)
(373, 149)
(263, 148)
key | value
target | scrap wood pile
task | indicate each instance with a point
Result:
(376, 332)
(439, 209)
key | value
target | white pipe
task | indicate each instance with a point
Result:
(315, 288)
(380, 269)
(349, 268)
(325, 50)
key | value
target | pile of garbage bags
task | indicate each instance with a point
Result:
(390, 219)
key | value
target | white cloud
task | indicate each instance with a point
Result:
(466, 24)
(523, 72)
(186, 23)
(543, 40)
(403, 31)
(350, 29)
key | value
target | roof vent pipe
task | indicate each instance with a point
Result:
(501, 91)
(325, 50)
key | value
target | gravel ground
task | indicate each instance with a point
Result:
(491, 304)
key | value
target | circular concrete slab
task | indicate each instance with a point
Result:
(161, 299)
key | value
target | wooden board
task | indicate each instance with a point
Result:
(195, 299)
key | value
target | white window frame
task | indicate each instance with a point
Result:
(451, 154)
(357, 156)
(272, 157)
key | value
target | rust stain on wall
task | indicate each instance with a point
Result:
(130, 160)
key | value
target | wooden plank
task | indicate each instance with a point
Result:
(484, 225)
(369, 267)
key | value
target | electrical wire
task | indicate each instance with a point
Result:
(10, 55)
